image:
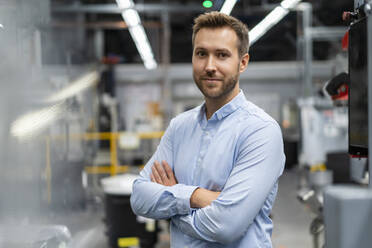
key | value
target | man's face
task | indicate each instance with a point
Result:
(216, 62)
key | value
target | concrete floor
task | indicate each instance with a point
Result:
(291, 218)
(291, 222)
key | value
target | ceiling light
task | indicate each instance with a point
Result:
(150, 64)
(33, 123)
(145, 51)
(75, 87)
(143, 46)
(138, 34)
(133, 21)
(124, 4)
(271, 19)
(131, 17)
(227, 6)
(288, 4)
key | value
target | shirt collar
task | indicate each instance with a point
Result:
(226, 109)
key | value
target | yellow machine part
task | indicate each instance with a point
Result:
(128, 241)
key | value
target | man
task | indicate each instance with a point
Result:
(215, 171)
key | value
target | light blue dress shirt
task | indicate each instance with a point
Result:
(238, 151)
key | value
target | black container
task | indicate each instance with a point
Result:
(291, 153)
(123, 224)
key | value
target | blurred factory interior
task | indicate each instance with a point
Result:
(84, 103)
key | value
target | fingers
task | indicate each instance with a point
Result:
(161, 171)
(169, 172)
(167, 168)
(152, 178)
(156, 175)
(162, 174)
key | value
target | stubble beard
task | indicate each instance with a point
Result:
(227, 87)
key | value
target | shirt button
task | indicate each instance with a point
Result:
(207, 133)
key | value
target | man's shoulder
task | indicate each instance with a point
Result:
(255, 122)
(251, 114)
(186, 117)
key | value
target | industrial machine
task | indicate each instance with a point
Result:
(347, 209)
(323, 141)
(338, 173)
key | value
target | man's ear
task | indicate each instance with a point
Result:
(244, 62)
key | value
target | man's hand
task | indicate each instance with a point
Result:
(201, 198)
(163, 174)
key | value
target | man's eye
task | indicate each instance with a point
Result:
(222, 55)
(200, 53)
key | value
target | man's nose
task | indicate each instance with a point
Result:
(211, 65)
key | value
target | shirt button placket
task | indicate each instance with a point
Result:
(204, 147)
(199, 160)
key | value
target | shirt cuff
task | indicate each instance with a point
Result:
(183, 193)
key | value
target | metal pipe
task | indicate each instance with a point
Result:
(307, 48)
(368, 10)
(48, 170)
(166, 60)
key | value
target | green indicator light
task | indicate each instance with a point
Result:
(207, 4)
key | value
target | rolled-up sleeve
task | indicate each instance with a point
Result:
(259, 163)
(156, 201)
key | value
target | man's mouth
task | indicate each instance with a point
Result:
(211, 79)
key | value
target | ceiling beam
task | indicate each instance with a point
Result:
(149, 8)
(101, 24)
(114, 9)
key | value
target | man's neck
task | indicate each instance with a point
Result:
(212, 105)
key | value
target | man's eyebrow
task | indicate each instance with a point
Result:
(223, 50)
(217, 50)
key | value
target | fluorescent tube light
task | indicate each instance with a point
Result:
(150, 64)
(75, 87)
(32, 123)
(227, 6)
(133, 21)
(288, 4)
(268, 22)
(138, 34)
(271, 19)
(124, 4)
(147, 56)
(131, 17)
(143, 46)
(145, 51)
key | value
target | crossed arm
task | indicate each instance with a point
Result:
(208, 215)
(163, 174)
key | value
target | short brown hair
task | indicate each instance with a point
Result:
(216, 19)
